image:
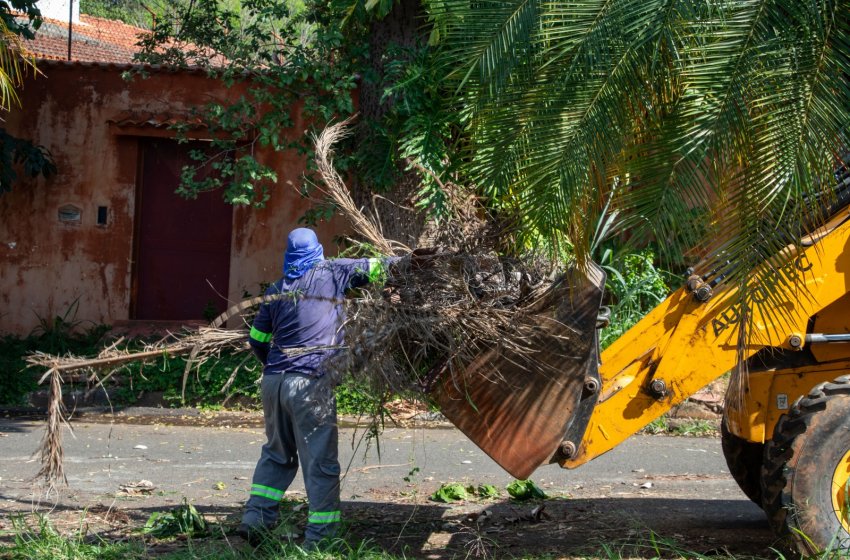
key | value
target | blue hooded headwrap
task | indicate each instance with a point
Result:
(303, 250)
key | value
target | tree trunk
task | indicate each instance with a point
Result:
(403, 26)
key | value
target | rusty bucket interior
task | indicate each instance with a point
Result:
(520, 407)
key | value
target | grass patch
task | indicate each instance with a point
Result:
(40, 541)
(653, 545)
(694, 427)
(43, 542)
(688, 427)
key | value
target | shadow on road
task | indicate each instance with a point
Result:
(18, 424)
(635, 527)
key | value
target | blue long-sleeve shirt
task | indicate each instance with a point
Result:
(308, 314)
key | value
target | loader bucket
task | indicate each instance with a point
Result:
(519, 407)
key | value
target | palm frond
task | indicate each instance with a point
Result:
(15, 63)
(721, 121)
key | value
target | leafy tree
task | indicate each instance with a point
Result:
(133, 12)
(17, 152)
(284, 58)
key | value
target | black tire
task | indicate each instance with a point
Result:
(744, 459)
(809, 443)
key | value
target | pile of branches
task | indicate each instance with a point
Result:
(442, 304)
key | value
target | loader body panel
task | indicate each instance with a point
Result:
(686, 343)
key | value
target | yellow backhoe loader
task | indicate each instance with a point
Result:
(787, 443)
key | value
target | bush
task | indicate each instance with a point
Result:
(633, 288)
(54, 337)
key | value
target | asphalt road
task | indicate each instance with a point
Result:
(195, 463)
(676, 487)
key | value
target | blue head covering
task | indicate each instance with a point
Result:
(303, 250)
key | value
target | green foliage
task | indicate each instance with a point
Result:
(525, 490)
(411, 475)
(182, 520)
(695, 427)
(687, 427)
(277, 55)
(63, 334)
(23, 154)
(19, 19)
(132, 12)
(205, 382)
(487, 491)
(634, 287)
(417, 130)
(58, 335)
(353, 397)
(457, 492)
(658, 426)
(450, 492)
(15, 380)
(11, 12)
(738, 109)
(45, 543)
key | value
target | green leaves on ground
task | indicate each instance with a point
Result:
(452, 492)
(525, 490)
(182, 520)
(457, 492)
(487, 491)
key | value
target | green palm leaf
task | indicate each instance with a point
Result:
(733, 110)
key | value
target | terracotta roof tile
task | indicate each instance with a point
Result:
(154, 120)
(94, 39)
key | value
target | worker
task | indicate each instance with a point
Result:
(294, 336)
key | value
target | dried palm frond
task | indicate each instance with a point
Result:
(441, 309)
(51, 454)
(199, 346)
(335, 188)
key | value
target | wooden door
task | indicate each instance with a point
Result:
(182, 265)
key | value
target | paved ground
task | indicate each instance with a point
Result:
(673, 485)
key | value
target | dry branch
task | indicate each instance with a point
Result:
(335, 188)
(51, 453)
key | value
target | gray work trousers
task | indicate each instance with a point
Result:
(300, 417)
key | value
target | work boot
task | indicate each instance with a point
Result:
(252, 535)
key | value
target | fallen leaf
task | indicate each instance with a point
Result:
(138, 488)
(539, 513)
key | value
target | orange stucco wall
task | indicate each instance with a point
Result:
(47, 265)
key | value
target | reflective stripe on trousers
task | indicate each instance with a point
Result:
(300, 419)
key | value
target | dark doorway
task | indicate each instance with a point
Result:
(182, 265)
